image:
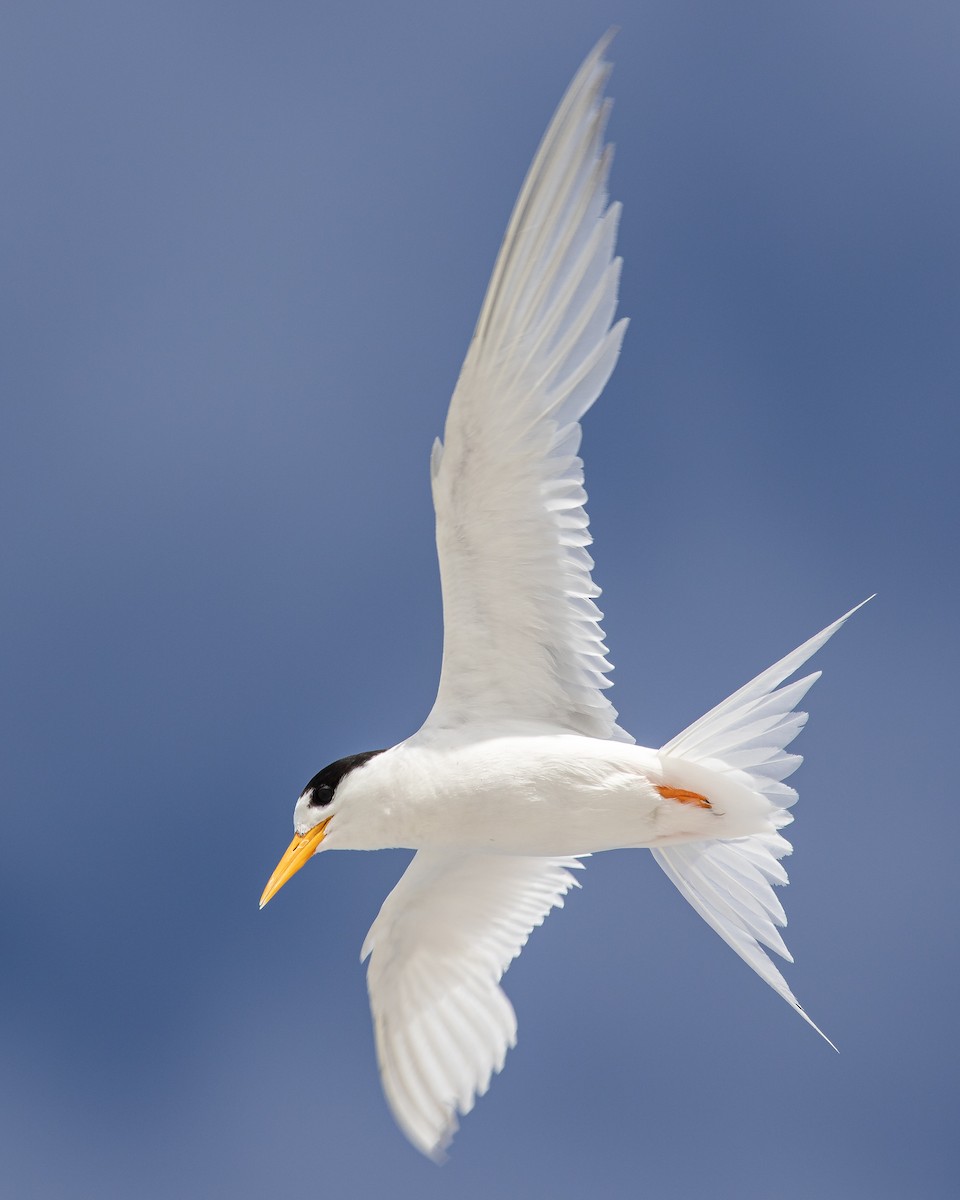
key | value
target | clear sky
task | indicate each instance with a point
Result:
(243, 248)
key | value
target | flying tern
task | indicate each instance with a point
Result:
(521, 768)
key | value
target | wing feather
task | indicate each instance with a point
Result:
(522, 638)
(438, 949)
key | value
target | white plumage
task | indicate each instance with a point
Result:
(521, 767)
(507, 483)
(443, 938)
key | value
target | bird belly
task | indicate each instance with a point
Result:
(563, 794)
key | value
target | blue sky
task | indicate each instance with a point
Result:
(243, 248)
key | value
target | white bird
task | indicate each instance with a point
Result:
(521, 768)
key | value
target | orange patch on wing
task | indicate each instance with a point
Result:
(684, 797)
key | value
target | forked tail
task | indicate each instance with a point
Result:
(729, 882)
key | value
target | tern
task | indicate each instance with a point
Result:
(521, 768)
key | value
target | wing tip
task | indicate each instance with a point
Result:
(603, 44)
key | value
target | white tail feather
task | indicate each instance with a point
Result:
(729, 882)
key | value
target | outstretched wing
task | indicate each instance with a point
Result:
(521, 629)
(730, 883)
(438, 948)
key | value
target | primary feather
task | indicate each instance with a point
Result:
(438, 948)
(522, 637)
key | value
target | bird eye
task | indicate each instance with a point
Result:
(319, 796)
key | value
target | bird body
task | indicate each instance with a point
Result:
(521, 767)
(543, 792)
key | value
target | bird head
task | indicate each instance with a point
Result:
(314, 813)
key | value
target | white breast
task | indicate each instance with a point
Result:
(548, 794)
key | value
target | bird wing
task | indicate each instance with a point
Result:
(438, 949)
(521, 630)
(730, 882)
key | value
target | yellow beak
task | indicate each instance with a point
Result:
(297, 853)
